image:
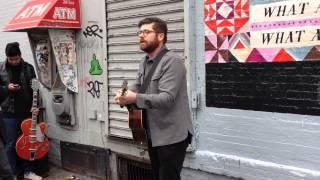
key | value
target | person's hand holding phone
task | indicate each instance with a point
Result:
(13, 87)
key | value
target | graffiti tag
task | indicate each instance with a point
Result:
(93, 31)
(95, 88)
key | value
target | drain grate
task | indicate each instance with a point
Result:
(129, 169)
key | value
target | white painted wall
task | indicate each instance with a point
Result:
(251, 144)
(88, 130)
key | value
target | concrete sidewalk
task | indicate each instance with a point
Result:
(57, 173)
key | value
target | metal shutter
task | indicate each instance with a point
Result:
(123, 51)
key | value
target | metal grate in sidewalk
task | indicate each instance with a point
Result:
(133, 170)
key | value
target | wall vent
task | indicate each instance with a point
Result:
(129, 169)
(87, 160)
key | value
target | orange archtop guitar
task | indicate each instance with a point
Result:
(32, 144)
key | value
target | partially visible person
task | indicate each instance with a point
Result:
(165, 100)
(5, 171)
(16, 104)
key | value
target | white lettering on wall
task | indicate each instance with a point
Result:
(33, 11)
(64, 13)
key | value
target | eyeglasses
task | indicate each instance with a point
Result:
(144, 32)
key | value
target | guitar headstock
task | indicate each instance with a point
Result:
(124, 87)
(35, 84)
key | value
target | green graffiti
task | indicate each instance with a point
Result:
(95, 68)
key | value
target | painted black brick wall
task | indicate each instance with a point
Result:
(276, 87)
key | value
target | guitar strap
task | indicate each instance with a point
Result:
(147, 79)
(145, 85)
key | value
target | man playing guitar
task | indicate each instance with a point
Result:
(164, 100)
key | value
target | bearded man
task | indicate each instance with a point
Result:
(164, 101)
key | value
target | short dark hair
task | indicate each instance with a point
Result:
(12, 49)
(160, 26)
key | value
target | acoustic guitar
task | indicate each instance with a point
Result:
(136, 121)
(32, 144)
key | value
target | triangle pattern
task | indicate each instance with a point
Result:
(313, 54)
(212, 39)
(222, 42)
(225, 31)
(215, 58)
(209, 45)
(240, 23)
(283, 56)
(225, 22)
(209, 56)
(225, 10)
(300, 53)
(241, 54)
(212, 12)
(232, 58)
(212, 25)
(210, 1)
(225, 44)
(221, 59)
(246, 8)
(255, 56)
(206, 13)
(269, 54)
(237, 9)
(239, 41)
(223, 56)
(239, 45)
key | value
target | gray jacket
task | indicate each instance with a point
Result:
(166, 101)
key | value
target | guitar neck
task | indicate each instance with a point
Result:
(34, 105)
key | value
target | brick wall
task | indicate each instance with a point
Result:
(276, 87)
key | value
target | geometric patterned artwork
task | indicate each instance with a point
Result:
(241, 55)
(283, 56)
(255, 31)
(258, 55)
(299, 54)
(226, 17)
(255, 56)
(239, 41)
(313, 54)
(216, 49)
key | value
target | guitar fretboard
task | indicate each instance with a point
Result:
(34, 117)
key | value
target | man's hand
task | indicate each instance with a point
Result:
(34, 111)
(14, 87)
(129, 97)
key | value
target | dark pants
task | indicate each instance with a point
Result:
(12, 131)
(5, 171)
(167, 161)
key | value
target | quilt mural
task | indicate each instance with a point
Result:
(251, 31)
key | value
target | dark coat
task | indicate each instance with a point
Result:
(6, 97)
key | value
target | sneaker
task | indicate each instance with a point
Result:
(32, 176)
